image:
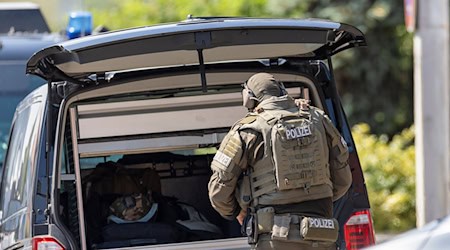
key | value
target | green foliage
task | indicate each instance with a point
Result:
(375, 82)
(133, 13)
(389, 171)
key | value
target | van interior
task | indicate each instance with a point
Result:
(173, 134)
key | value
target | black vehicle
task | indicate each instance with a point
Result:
(162, 98)
(22, 17)
(23, 31)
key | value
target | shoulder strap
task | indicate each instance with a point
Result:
(248, 119)
(247, 122)
(271, 118)
(268, 117)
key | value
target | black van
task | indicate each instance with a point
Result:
(23, 31)
(160, 99)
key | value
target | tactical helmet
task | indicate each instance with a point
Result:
(259, 87)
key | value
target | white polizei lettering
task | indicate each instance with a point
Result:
(298, 132)
(307, 130)
(222, 158)
(321, 223)
(288, 134)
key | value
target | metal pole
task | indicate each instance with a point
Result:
(432, 110)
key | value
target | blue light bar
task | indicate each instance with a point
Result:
(80, 24)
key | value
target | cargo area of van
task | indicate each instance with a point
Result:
(162, 142)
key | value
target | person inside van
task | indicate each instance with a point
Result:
(133, 210)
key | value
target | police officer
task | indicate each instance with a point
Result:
(279, 169)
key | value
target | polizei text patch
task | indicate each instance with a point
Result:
(321, 223)
(222, 158)
(298, 132)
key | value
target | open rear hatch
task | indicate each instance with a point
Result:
(193, 42)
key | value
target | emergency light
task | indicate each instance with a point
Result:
(80, 24)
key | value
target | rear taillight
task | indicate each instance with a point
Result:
(359, 231)
(46, 243)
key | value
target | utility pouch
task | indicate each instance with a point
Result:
(265, 219)
(319, 229)
(281, 226)
(249, 227)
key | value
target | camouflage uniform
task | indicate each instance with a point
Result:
(131, 207)
(243, 151)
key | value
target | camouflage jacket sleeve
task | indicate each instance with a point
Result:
(341, 175)
(228, 163)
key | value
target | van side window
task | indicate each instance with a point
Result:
(18, 166)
